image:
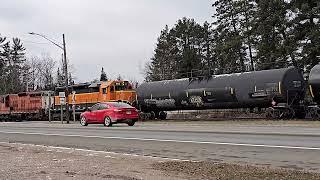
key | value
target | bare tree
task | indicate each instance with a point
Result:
(40, 74)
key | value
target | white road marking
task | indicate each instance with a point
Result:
(171, 140)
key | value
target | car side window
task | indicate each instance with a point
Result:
(95, 107)
(103, 107)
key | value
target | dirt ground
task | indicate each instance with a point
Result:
(39, 162)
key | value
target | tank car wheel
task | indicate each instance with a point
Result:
(290, 113)
(163, 115)
(142, 116)
(300, 114)
(287, 113)
(271, 113)
(83, 121)
(315, 113)
(152, 115)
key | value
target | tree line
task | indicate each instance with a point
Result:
(20, 74)
(244, 35)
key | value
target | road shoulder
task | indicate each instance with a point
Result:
(23, 161)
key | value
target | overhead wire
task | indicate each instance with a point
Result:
(26, 41)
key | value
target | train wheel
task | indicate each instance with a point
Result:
(163, 115)
(315, 113)
(157, 114)
(290, 113)
(300, 114)
(152, 115)
(287, 113)
(270, 113)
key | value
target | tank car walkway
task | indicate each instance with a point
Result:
(276, 144)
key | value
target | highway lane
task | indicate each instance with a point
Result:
(255, 127)
(276, 150)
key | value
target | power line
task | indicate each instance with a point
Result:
(27, 41)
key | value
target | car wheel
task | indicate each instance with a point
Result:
(131, 123)
(107, 122)
(83, 121)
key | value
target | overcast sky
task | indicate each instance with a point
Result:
(119, 35)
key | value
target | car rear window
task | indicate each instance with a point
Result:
(120, 105)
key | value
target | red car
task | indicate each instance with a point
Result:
(109, 113)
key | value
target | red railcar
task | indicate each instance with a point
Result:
(24, 106)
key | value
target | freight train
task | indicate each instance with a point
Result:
(280, 91)
(36, 105)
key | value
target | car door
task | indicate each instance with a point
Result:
(101, 112)
(91, 115)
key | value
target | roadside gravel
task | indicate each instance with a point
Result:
(38, 162)
(20, 161)
(211, 170)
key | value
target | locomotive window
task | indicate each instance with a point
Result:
(104, 90)
(297, 84)
(94, 89)
(121, 86)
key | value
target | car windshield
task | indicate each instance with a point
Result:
(120, 105)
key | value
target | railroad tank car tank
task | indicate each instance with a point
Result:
(238, 90)
(314, 83)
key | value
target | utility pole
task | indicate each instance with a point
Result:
(66, 79)
(65, 70)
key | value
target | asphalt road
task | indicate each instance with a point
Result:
(296, 147)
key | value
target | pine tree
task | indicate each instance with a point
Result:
(119, 78)
(247, 9)
(2, 66)
(182, 51)
(208, 59)
(229, 47)
(14, 58)
(271, 28)
(188, 37)
(163, 64)
(306, 23)
(2, 60)
(103, 76)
